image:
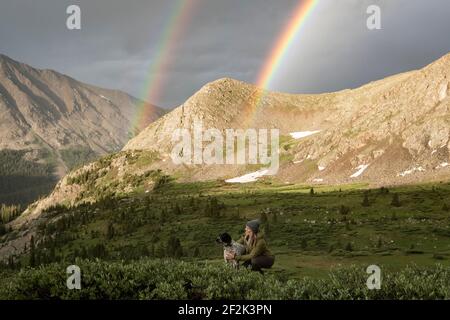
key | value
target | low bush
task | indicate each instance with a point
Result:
(172, 279)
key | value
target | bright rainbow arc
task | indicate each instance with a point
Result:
(153, 86)
(284, 42)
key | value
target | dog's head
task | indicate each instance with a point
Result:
(224, 239)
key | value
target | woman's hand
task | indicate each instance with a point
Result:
(231, 255)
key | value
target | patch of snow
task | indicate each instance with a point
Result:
(442, 165)
(361, 169)
(443, 91)
(302, 134)
(406, 172)
(318, 180)
(299, 161)
(249, 177)
(321, 168)
(105, 98)
(433, 152)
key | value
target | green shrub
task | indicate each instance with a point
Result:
(365, 202)
(395, 201)
(344, 210)
(171, 279)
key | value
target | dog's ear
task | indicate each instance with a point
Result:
(226, 238)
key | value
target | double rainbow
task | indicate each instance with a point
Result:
(180, 16)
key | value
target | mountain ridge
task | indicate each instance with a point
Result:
(400, 110)
(60, 121)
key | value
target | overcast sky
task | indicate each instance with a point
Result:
(120, 40)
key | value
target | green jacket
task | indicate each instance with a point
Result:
(259, 249)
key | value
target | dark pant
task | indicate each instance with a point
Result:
(260, 262)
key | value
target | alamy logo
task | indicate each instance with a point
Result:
(374, 280)
(73, 21)
(230, 146)
(74, 279)
(374, 20)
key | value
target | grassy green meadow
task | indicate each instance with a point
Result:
(311, 231)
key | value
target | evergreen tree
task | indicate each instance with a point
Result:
(160, 251)
(344, 210)
(84, 253)
(163, 216)
(178, 251)
(395, 201)
(274, 217)
(365, 202)
(192, 202)
(348, 247)
(152, 250)
(177, 210)
(32, 261)
(174, 248)
(304, 244)
(110, 231)
(196, 253)
(263, 217)
(379, 242)
(52, 256)
(213, 207)
(238, 213)
(267, 228)
(11, 263)
(311, 191)
(9, 213)
(38, 258)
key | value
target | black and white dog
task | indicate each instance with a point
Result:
(230, 246)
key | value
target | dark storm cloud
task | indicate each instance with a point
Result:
(229, 38)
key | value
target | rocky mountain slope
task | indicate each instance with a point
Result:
(53, 120)
(394, 130)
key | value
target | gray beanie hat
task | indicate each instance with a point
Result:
(254, 225)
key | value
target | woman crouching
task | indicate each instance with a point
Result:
(258, 255)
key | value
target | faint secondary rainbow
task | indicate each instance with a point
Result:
(283, 43)
(153, 86)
